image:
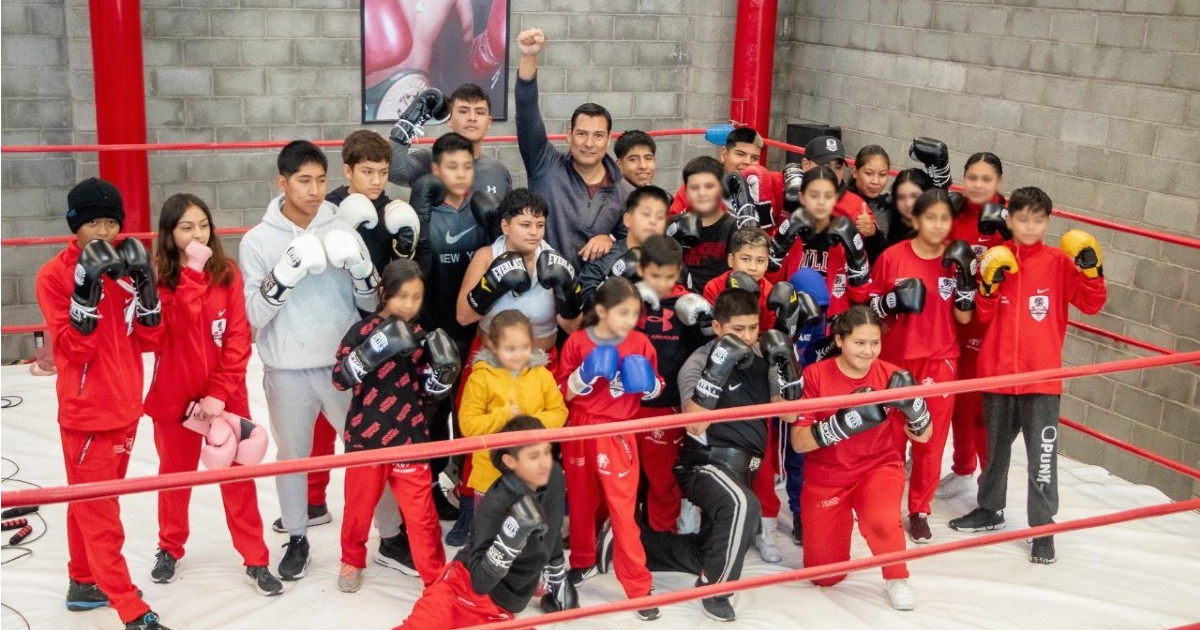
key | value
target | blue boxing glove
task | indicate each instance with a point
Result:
(637, 377)
(601, 362)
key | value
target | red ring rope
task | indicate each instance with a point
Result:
(1136, 450)
(847, 566)
(119, 487)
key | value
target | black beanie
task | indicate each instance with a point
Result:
(93, 198)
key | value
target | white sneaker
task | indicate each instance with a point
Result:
(901, 595)
(349, 578)
(765, 543)
(953, 485)
(689, 518)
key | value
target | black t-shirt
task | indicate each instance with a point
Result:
(449, 239)
(710, 258)
(752, 386)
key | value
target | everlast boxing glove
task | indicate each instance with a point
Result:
(506, 273)
(744, 281)
(556, 274)
(95, 260)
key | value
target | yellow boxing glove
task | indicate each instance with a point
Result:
(992, 266)
(1085, 251)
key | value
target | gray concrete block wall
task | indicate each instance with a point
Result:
(1099, 106)
(284, 69)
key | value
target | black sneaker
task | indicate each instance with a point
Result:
(604, 548)
(445, 509)
(164, 567)
(83, 596)
(148, 621)
(579, 576)
(718, 608)
(797, 530)
(295, 560)
(395, 553)
(1043, 550)
(457, 536)
(648, 614)
(978, 520)
(317, 515)
(263, 582)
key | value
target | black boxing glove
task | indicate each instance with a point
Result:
(744, 281)
(993, 218)
(390, 338)
(430, 106)
(847, 422)
(96, 259)
(777, 348)
(960, 256)
(785, 303)
(485, 207)
(793, 178)
(561, 593)
(506, 273)
(140, 269)
(858, 268)
(908, 296)
(914, 409)
(798, 224)
(556, 274)
(525, 519)
(685, 229)
(444, 364)
(427, 193)
(935, 156)
(626, 265)
(728, 355)
(744, 208)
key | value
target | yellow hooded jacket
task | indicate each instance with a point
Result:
(487, 402)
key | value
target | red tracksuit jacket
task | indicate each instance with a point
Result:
(99, 375)
(1026, 319)
(930, 334)
(766, 317)
(603, 404)
(205, 349)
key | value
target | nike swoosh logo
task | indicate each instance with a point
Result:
(221, 313)
(453, 238)
(734, 386)
(1041, 291)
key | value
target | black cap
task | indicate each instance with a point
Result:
(94, 198)
(824, 149)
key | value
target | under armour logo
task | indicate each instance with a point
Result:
(493, 190)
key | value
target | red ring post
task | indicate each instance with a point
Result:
(753, 64)
(116, 27)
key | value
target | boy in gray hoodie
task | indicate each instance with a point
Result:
(307, 274)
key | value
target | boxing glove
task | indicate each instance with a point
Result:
(993, 218)
(757, 179)
(694, 310)
(524, 520)
(744, 281)
(506, 273)
(561, 593)
(402, 222)
(935, 156)
(728, 355)
(390, 339)
(957, 202)
(197, 256)
(626, 265)
(914, 409)
(345, 249)
(779, 351)
(858, 269)
(685, 229)
(427, 193)
(304, 255)
(1085, 251)
(220, 445)
(195, 419)
(961, 257)
(783, 301)
(358, 211)
(847, 422)
(824, 348)
(742, 205)
(485, 207)
(441, 353)
(96, 259)
(556, 274)
(908, 296)
(995, 261)
(250, 440)
(798, 224)
(139, 266)
(430, 107)
(793, 179)
(638, 377)
(601, 363)
(649, 296)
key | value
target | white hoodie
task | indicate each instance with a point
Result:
(305, 330)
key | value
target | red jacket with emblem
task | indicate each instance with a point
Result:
(100, 375)
(929, 334)
(1026, 318)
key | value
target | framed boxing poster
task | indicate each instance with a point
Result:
(410, 45)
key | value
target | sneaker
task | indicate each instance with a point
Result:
(918, 529)
(1043, 550)
(84, 596)
(765, 544)
(648, 614)
(263, 582)
(457, 536)
(445, 509)
(295, 560)
(395, 553)
(579, 576)
(797, 530)
(900, 595)
(978, 520)
(604, 548)
(148, 621)
(164, 567)
(718, 608)
(349, 578)
(953, 485)
(317, 515)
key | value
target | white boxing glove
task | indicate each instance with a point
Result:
(347, 250)
(357, 210)
(402, 221)
(304, 256)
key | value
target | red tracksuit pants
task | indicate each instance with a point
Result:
(605, 469)
(828, 518)
(927, 456)
(414, 494)
(179, 451)
(94, 532)
(658, 451)
(764, 481)
(970, 431)
(451, 602)
(325, 439)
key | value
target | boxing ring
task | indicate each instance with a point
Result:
(1128, 556)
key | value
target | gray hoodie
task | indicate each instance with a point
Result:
(305, 330)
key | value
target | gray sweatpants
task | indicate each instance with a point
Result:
(1036, 417)
(294, 398)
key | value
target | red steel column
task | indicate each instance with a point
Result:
(753, 65)
(121, 103)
